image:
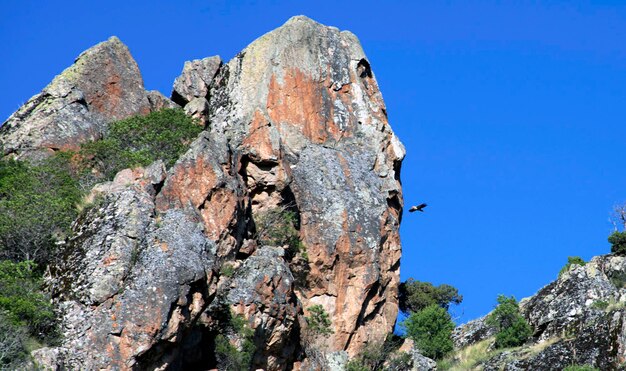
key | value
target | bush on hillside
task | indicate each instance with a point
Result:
(279, 227)
(572, 261)
(230, 357)
(416, 295)
(141, 140)
(22, 301)
(512, 328)
(12, 349)
(431, 330)
(37, 207)
(618, 242)
(381, 356)
(318, 322)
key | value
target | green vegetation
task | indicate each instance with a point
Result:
(381, 356)
(571, 262)
(580, 368)
(25, 312)
(318, 322)
(21, 298)
(279, 227)
(12, 344)
(38, 202)
(600, 304)
(512, 328)
(235, 355)
(37, 206)
(469, 357)
(416, 295)
(618, 242)
(141, 140)
(431, 330)
(227, 270)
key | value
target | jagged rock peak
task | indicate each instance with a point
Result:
(302, 106)
(104, 84)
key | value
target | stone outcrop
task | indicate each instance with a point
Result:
(103, 85)
(303, 109)
(577, 319)
(166, 258)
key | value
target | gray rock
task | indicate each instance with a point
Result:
(104, 84)
(472, 332)
(198, 108)
(195, 80)
(159, 101)
(131, 280)
(421, 362)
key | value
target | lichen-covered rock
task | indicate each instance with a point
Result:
(262, 291)
(158, 101)
(302, 104)
(104, 84)
(195, 80)
(132, 283)
(472, 332)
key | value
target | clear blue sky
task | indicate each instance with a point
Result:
(513, 113)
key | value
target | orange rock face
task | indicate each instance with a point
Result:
(303, 102)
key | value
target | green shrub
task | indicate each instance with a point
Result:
(431, 330)
(512, 328)
(12, 349)
(580, 368)
(141, 140)
(22, 300)
(318, 322)
(381, 356)
(600, 304)
(572, 261)
(37, 206)
(228, 356)
(227, 270)
(417, 295)
(356, 365)
(618, 242)
(279, 227)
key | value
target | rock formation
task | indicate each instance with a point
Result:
(154, 270)
(579, 319)
(103, 85)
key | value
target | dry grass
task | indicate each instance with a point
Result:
(473, 356)
(468, 358)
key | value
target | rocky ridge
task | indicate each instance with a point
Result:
(579, 319)
(155, 269)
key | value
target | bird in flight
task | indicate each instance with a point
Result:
(419, 207)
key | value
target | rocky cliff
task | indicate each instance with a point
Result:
(295, 128)
(579, 319)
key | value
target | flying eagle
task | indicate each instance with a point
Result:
(419, 207)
